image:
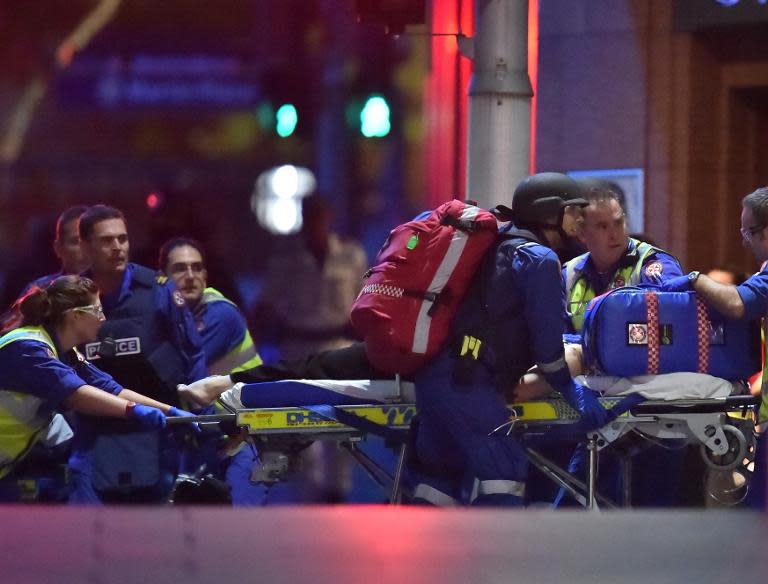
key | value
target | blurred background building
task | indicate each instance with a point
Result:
(173, 111)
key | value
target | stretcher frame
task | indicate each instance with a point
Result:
(724, 427)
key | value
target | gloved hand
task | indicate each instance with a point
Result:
(583, 400)
(179, 413)
(176, 412)
(148, 417)
(677, 284)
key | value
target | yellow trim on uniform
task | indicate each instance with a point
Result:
(243, 356)
(20, 424)
(579, 293)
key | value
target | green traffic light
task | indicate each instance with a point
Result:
(287, 117)
(374, 118)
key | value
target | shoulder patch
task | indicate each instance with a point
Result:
(654, 269)
(161, 279)
(178, 299)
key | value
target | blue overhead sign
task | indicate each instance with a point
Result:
(159, 81)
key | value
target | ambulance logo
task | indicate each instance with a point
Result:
(654, 270)
(178, 299)
(637, 334)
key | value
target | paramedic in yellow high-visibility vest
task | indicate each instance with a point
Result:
(613, 259)
(41, 372)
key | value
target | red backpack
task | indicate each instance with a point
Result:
(421, 274)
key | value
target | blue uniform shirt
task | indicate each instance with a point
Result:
(754, 295)
(28, 366)
(222, 327)
(530, 285)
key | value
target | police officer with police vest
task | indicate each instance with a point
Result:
(613, 259)
(149, 342)
(511, 320)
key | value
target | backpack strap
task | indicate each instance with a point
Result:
(470, 344)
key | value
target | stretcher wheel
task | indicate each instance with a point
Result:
(737, 450)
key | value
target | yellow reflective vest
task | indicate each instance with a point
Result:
(579, 292)
(20, 422)
(242, 357)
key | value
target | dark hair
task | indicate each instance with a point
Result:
(598, 195)
(46, 306)
(171, 244)
(68, 215)
(757, 202)
(591, 182)
(94, 215)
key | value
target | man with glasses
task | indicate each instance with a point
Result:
(228, 348)
(227, 344)
(149, 342)
(748, 300)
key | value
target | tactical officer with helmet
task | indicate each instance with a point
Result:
(511, 320)
(148, 342)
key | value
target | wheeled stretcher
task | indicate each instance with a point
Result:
(347, 411)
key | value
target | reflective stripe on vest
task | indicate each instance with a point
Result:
(579, 293)
(243, 356)
(496, 487)
(20, 423)
(430, 494)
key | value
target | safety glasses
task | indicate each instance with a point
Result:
(93, 309)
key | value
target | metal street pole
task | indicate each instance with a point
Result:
(499, 101)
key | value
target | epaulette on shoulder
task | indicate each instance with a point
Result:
(144, 276)
(161, 279)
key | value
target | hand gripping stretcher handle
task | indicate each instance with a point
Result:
(202, 419)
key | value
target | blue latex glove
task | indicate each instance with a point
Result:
(148, 417)
(584, 400)
(677, 284)
(176, 412)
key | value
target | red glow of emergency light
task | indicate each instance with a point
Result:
(153, 201)
(533, 72)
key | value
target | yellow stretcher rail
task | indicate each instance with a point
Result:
(394, 416)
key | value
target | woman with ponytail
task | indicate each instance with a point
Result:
(42, 371)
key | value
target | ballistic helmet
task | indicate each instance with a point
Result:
(541, 198)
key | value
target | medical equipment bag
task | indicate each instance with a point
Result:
(421, 274)
(635, 331)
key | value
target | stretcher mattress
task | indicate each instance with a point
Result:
(669, 386)
(303, 392)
